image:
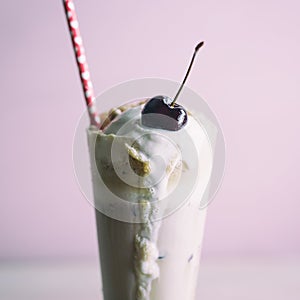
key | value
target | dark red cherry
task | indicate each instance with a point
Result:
(159, 112)
(164, 113)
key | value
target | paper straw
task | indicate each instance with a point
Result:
(81, 61)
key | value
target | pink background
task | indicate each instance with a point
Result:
(248, 72)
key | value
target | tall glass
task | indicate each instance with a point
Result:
(152, 257)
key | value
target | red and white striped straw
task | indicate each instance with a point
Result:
(81, 61)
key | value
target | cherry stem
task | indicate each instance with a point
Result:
(188, 71)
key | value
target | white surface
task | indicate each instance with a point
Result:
(219, 279)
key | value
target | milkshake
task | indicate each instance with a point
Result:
(149, 238)
(151, 164)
